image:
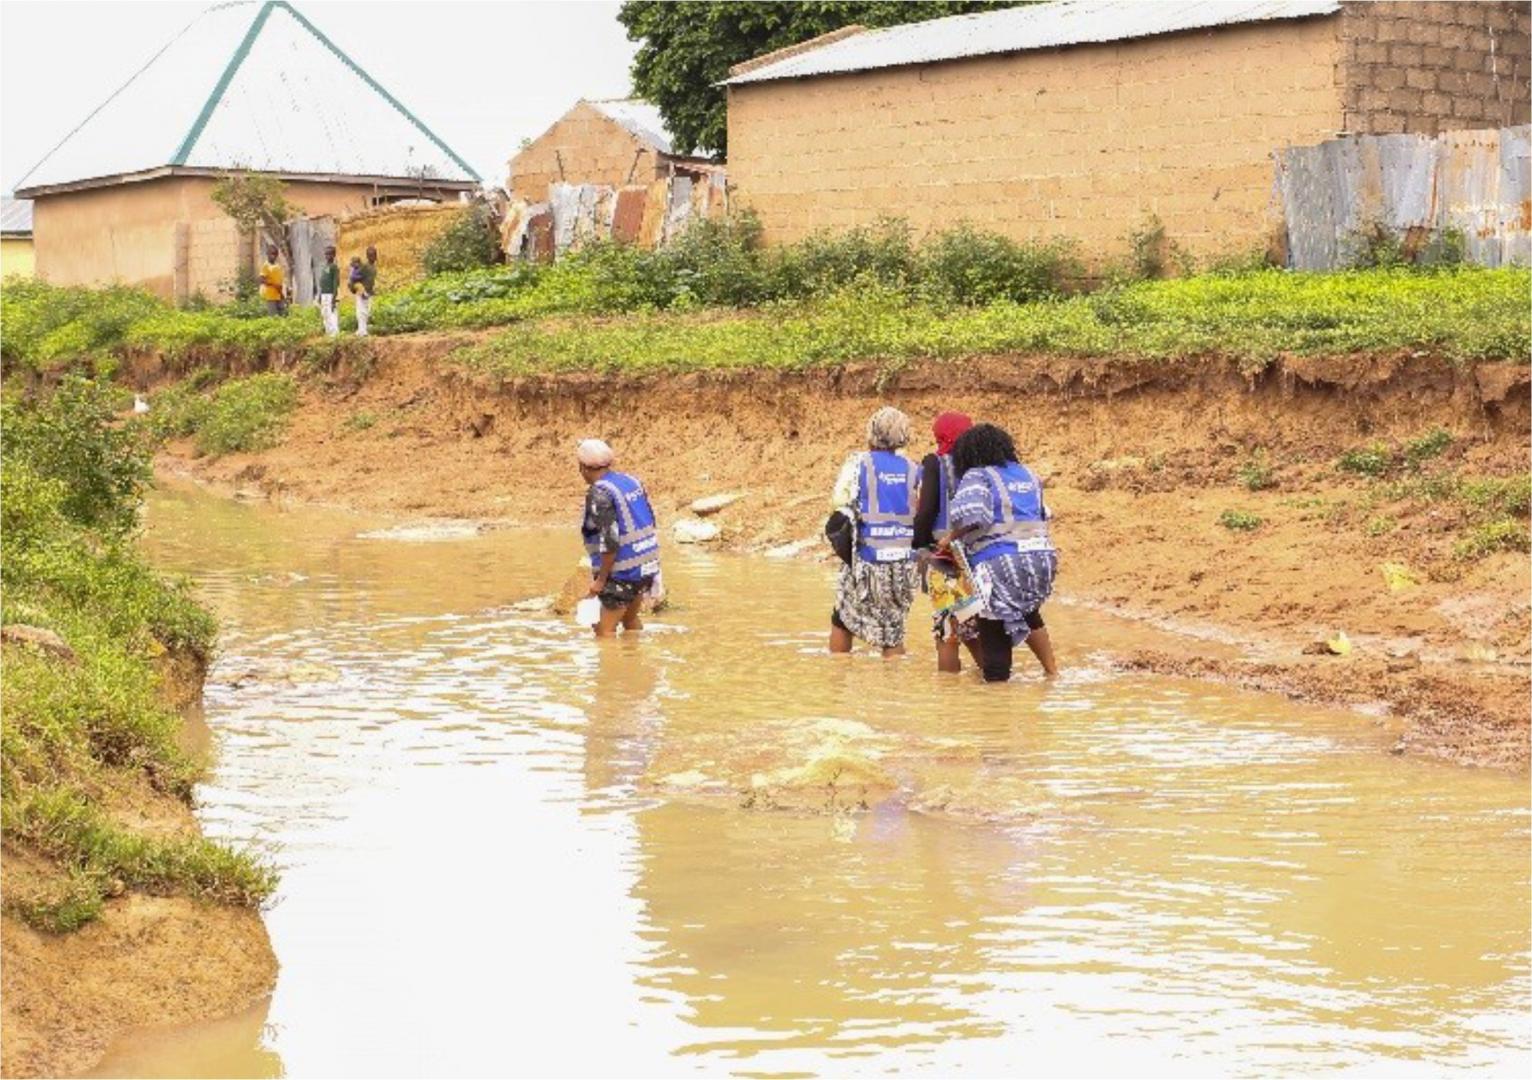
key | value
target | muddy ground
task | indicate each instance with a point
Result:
(1141, 461)
(146, 960)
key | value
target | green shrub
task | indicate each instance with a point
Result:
(74, 441)
(466, 243)
(1505, 534)
(178, 410)
(47, 326)
(1256, 473)
(1373, 460)
(1432, 444)
(1240, 520)
(1376, 245)
(1499, 496)
(966, 266)
(247, 414)
(882, 253)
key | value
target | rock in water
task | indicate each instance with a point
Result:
(694, 531)
(711, 504)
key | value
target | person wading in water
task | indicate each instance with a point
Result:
(943, 580)
(621, 537)
(876, 489)
(998, 515)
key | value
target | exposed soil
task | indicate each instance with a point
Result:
(146, 960)
(1140, 460)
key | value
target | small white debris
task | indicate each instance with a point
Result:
(694, 531)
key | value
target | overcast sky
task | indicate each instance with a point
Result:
(483, 76)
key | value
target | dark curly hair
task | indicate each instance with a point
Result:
(980, 446)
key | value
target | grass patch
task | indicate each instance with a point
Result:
(718, 300)
(1462, 316)
(1240, 520)
(81, 725)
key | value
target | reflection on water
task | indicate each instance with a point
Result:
(508, 851)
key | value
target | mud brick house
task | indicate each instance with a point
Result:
(125, 197)
(1081, 117)
(615, 144)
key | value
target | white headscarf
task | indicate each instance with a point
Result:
(594, 454)
(888, 429)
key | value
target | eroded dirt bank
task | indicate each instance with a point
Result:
(1142, 463)
(146, 960)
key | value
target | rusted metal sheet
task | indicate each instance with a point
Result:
(1416, 186)
(628, 218)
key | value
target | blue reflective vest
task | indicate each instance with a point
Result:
(885, 507)
(1016, 500)
(638, 541)
(946, 485)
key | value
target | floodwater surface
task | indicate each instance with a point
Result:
(508, 850)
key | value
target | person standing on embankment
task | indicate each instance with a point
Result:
(999, 517)
(273, 290)
(329, 289)
(621, 536)
(876, 488)
(364, 282)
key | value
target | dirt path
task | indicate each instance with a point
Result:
(1142, 464)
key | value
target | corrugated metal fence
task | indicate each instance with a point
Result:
(1416, 186)
(650, 215)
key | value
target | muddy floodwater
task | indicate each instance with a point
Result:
(506, 850)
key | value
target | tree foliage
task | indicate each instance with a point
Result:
(466, 243)
(258, 204)
(687, 47)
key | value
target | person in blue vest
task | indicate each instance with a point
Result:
(621, 536)
(998, 517)
(943, 581)
(876, 489)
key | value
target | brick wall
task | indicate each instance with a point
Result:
(1432, 67)
(584, 147)
(1082, 142)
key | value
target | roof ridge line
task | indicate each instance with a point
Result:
(370, 81)
(224, 79)
(147, 64)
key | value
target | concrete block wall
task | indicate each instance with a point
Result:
(584, 147)
(1082, 142)
(214, 252)
(1428, 67)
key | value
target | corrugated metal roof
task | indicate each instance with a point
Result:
(15, 216)
(641, 118)
(255, 86)
(1034, 26)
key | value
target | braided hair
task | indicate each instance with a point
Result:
(980, 446)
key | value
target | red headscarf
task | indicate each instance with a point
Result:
(948, 426)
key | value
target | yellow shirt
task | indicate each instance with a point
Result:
(271, 281)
